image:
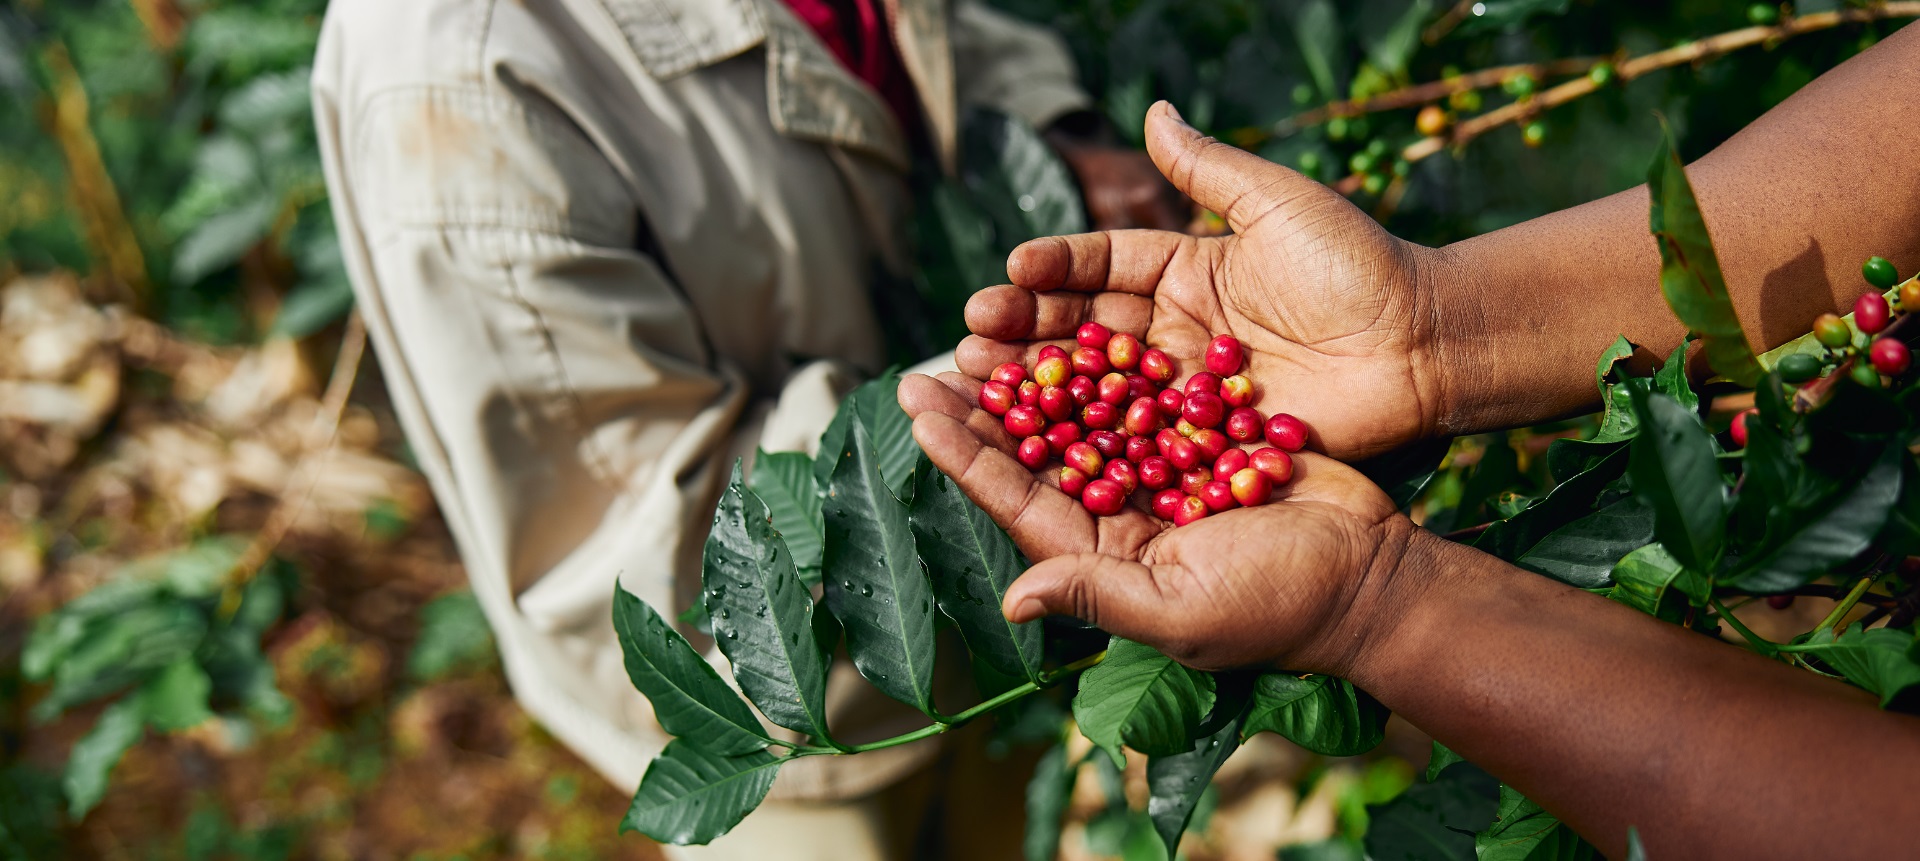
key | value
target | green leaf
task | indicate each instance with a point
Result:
(1508, 14)
(95, 755)
(454, 638)
(1390, 41)
(833, 441)
(784, 480)
(1433, 821)
(874, 583)
(1671, 379)
(176, 698)
(1048, 792)
(1901, 535)
(313, 306)
(1882, 660)
(1320, 713)
(1141, 699)
(1690, 275)
(877, 406)
(1176, 783)
(1406, 471)
(1643, 578)
(1563, 535)
(1523, 832)
(1804, 542)
(1442, 757)
(763, 615)
(1316, 28)
(1674, 472)
(972, 562)
(689, 698)
(1019, 179)
(690, 796)
(120, 650)
(221, 240)
(1635, 851)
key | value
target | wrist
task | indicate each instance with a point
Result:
(1415, 577)
(1452, 284)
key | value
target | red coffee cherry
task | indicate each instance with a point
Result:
(1224, 355)
(1099, 414)
(1193, 480)
(1186, 428)
(1203, 382)
(1739, 428)
(1110, 444)
(1218, 496)
(1251, 487)
(1123, 351)
(1244, 425)
(1166, 502)
(1191, 508)
(1072, 481)
(1172, 401)
(1104, 497)
(1050, 351)
(1211, 443)
(1156, 366)
(1162, 439)
(1779, 602)
(1286, 432)
(1024, 421)
(1112, 389)
(1870, 312)
(1156, 472)
(1010, 374)
(1092, 363)
(1055, 403)
(1140, 387)
(1060, 436)
(1052, 371)
(1093, 335)
(1122, 473)
(1237, 391)
(1143, 417)
(1204, 410)
(1084, 390)
(1084, 457)
(1184, 454)
(1274, 463)
(1230, 461)
(997, 397)
(1032, 453)
(1139, 448)
(1028, 394)
(1889, 356)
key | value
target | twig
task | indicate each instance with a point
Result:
(101, 213)
(293, 499)
(1439, 29)
(1433, 91)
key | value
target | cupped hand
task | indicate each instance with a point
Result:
(1337, 316)
(1290, 584)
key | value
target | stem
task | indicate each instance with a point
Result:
(1760, 644)
(1046, 681)
(1846, 604)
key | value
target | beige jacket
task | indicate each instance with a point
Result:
(603, 248)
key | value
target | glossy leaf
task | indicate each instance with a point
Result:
(1320, 713)
(1563, 536)
(1635, 850)
(1433, 821)
(689, 698)
(1406, 471)
(1901, 535)
(1690, 276)
(1438, 761)
(1316, 28)
(972, 562)
(877, 406)
(763, 615)
(690, 796)
(1048, 791)
(1523, 832)
(175, 698)
(1803, 543)
(1674, 472)
(1643, 579)
(1019, 179)
(1391, 40)
(874, 582)
(96, 753)
(1141, 699)
(1882, 660)
(1176, 783)
(784, 481)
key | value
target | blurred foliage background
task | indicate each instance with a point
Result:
(216, 561)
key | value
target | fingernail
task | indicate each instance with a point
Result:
(1027, 610)
(1174, 114)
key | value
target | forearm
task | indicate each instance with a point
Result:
(1609, 718)
(1795, 202)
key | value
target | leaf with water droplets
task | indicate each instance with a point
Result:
(875, 585)
(758, 602)
(690, 796)
(1142, 699)
(784, 480)
(1320, 713)
(689, 698)
(1175, 783)
(972, 562)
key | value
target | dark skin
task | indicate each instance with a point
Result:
(1606, 717)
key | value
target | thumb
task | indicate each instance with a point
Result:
(1237, 184)
(1116, 595)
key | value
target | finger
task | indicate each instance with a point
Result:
(957, 397)
(1123, 261)
(1041, 519)
(1119, 596)
(977, 356)
(1237, 184)
(1008, 313)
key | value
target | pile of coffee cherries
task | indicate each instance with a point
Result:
(1108, 413)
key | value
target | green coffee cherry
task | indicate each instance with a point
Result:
(1362, 162)
(1601, 74)
(1374, 183)
(1534, 134)
(1799, 368)
(1302, 94)
(1864, 373)
(1401, 167)
(1377, 147)
(1763, 14)
(1464, 101)
(1337, 128)
(1880, 273)
(1310, 163)
(1832, 331)
(1520, 86)
(1359, 128)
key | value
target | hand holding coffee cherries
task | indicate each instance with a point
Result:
(1329, 307)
